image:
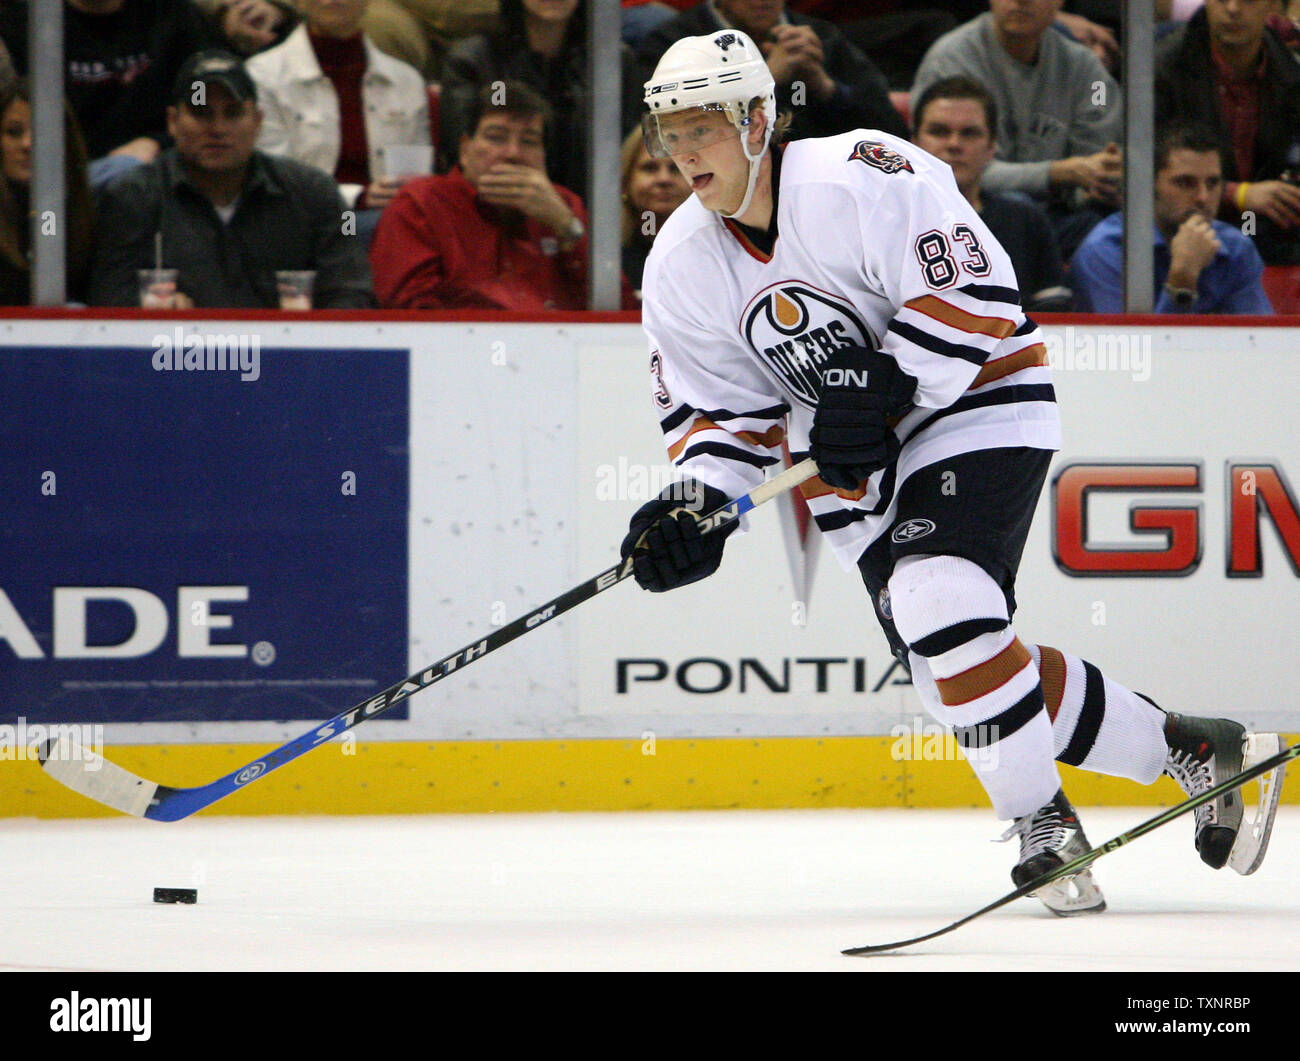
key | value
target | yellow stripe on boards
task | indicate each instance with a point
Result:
(400, 777)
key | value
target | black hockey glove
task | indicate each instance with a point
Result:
(674, 552)
(851, 438)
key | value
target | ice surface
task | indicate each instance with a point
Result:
(736, 890)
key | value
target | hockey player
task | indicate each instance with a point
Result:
(839, 294)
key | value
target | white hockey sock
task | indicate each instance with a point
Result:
(975, 676)
(1098, 724)
(1004, 732)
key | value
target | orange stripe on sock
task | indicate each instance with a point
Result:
(984, 678)
(1051, 672)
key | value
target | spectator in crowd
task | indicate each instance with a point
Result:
(7, 75)
(442, 23)
(892, 34)
(1227, 68)
(1060, 116)
(1283, 18)
(1098, 37)
(121, 57)
(823, 80)
(247, 27)
(644, 16)
(652, 188)
(15, 200)
(394, 29)
(955, 118)
(542, 44)
(494, 233)
(331, 98)
(1201, 265)
(224, 214)
(1287, 28)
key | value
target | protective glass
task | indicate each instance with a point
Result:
(685, 132)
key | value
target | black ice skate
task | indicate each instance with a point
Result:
(1051, 837)
(1204, 752)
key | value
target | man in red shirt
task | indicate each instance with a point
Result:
(494, 232)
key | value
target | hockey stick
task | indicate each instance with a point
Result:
(93, 776)
(1087, 859)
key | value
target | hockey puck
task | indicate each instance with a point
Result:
(176, 895)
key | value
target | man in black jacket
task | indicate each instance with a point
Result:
(1227, 68)
(824, 81)
(226, 216)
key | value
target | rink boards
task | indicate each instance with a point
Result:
(367, 495)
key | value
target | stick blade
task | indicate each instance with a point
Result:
(879, 948)
(91, 775)
(885, 948)
(1257, 825)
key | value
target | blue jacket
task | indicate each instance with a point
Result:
(1229, 284)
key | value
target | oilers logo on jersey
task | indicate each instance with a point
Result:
(874, 153)
(794, 328)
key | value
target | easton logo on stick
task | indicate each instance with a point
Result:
(874, 153)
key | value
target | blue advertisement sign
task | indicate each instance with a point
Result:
(201, 531)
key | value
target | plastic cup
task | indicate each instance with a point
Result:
(407, 160)
(295, 287)
(157, 288)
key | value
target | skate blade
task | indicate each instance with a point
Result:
(1071, 896)
(1251, 844)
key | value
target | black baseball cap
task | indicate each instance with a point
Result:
(214, 66)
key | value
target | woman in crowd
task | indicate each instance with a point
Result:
(15, 201)
(652, 188)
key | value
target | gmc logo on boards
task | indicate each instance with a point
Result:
(1254, 489)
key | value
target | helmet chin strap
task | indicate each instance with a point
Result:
(755, 163)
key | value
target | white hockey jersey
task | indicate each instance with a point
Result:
(875, 247)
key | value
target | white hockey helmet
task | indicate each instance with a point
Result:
(722, 71)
